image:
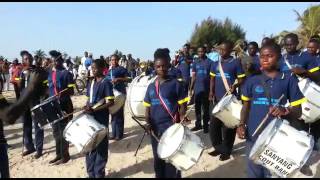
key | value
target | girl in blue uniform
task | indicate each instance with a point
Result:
(99, 88)
(256, 104)
(157, 116)
(118, 75)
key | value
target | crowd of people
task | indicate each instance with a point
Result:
(201, 75)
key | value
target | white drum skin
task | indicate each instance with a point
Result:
(281, 148)
(85, 133)
(228, 110)
(180, 147)
(136, 93)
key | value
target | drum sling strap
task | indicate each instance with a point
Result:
(224, 79)
(174, 118)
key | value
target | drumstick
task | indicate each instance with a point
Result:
(266, 117)
(98, 104)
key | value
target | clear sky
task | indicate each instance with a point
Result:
(137, 28)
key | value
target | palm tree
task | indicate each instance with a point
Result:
(40, 53)
(309, 23)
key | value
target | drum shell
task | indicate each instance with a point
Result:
(188, 152)
(228, 110)
(310, 90)
(85, 133)
(284, 141)
(310, 109)
(119, 101)
(47, 111)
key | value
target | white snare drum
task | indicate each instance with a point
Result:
(310, 109)
(119, 100)
(228, 110)
(85, 133)
(179, 146)
(281, 148)
(136, 93)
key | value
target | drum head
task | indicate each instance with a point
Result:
(265, 137)
(170, 141)
(222, 103)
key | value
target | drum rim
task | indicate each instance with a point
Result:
(46, 101)
(175, 151)
(219, 104)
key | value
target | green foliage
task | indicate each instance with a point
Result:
(309, 23)
(40, 53)
(212, 32)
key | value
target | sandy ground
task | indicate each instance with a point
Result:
(121, 162)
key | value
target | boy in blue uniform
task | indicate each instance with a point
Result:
(59, 79)
(118, 75)
(253, 48)
(157, 116)
(101, 89)
(27, 119)
(256, 102)
(222, 138)
(185, 67)
(303, 64)
(200, 84)
(313, 47)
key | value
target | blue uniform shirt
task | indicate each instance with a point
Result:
(172, 91)
(185, 71)
(254, 92)
(64, 80)
(201, 68)
(300, 59)
(232, 69)
(256, 63)
(100, 90)
(118, 72)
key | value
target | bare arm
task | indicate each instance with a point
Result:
(241, 130)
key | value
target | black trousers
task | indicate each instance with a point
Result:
(222, 138)
(202, 105)
(62, 146)
(16, 90)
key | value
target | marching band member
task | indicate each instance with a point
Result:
(162, 113)
(99, 88)
(304, 65)
(200, 83)
(256, 103)
(185, 67)
(222, 138)
(10, 113)
(27, 60)
(59, 79)
(118, 75)
(313, 47)
(253, 49)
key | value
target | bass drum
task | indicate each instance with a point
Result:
(136, 93)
